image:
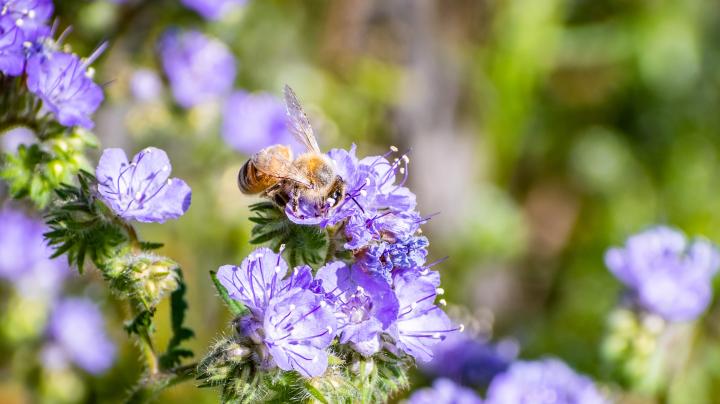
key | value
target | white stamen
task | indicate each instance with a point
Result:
(462, 327)
(165, 168)
(331, 201)
(413, 305)
(90, 73)
(323, 303)
(27, 44)
(367, 181)
(396, 160)
(442, 302)
(394, 148)
(169, 181)
(440, 291)
(292, 307)
(282, 247)
(329, 329)
(31, 13)
(277, 269)
(360, 289)
(424, 272)
(315, 359)
(436, 335)
(363, 192)
(147, 150)
(406, 158)
(138, 195)
(4, 10)
(295, 271)
(19, 22)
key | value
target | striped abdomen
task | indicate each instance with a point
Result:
(252, 181)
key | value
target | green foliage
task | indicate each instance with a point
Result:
(140, 323)
(35, 171)
(81, 226)
(235, 307)
(178, 307)
(303, 244)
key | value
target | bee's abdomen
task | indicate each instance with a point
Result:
(250, 180)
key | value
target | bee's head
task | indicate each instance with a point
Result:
(336, 193)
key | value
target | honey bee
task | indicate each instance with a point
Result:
(310, 176)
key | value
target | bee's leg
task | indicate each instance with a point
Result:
(295, 202)
(276, 195)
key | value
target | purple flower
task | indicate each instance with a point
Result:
(376, 205)
(547, 381)
(212, 9)
(199, 68)
(298, 327)
(292, 322)
(665, 273)
(25, 256)
(12, 52)
(420, 324)
(467, 361)
(62, 81)
(77, 330)
(30, 16)
(444, 391)
(252, 122)
(141, 189)
(145, 85)
(364, 304)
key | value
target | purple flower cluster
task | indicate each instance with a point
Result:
(61, 80)
(212, 9)
(254, 121)
(665, 273)
(77, 334)
(547, 381)
(76, 329)
(379, 216)
(445, 391)
(25, 256)
(296, 317)
(22, 22)
(141, 189)
(199, 68)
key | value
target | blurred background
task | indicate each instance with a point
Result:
(541, 133)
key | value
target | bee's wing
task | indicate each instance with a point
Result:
(298, 121)
(279, 167)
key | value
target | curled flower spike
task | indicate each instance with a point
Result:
(62, 81)
(141, 190)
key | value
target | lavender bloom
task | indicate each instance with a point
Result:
(212, 9)
(376, 206)
(547, 381)
(444, 391)
(287, 318)
(12, 52)
(298, 327)
(63, 82)
(364, 305)
(665, 273)
(467, 361)
(252, 122)
(77, 328)
(25, 256)
(140, 190)
(199, 68)
(420, 324)
(145, 85)
(30, 16)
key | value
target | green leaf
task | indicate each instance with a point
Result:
(178, 307)
(141, 323)
(235, 307)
